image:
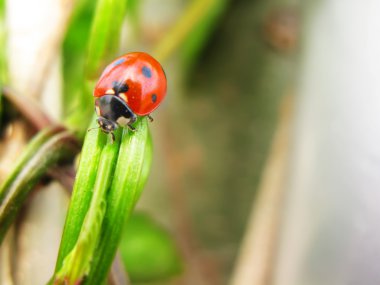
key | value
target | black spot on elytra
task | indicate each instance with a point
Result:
(123, 88)
(154, 98)
(120, 87)
(146, 71)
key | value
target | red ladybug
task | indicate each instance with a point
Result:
(132, 85)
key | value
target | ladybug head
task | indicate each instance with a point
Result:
(113, 112)
(107, 126)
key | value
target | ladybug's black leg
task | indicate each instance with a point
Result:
(150, 118)
(132, 120)
(112, 135)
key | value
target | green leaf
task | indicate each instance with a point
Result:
(105, 35)
(201, 31)
(130, 175)
(76, 264)
(82, 192)
(4, 77)
(195, 14)
(148, 251)
(74, 54)
(102, 47)
(46, 149)
(109, 181)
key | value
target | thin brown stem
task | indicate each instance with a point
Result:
(117, 274)
(255, 261)
(28, 108)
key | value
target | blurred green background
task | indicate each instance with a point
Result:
(229, 65)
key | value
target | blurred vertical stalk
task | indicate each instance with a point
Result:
(3, 54)
(331, 227)
(195, 14)
(103, 45)
(6, 250)
(257, 252)
(4, 77)
(105, 36)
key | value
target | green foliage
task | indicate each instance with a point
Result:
(105, 35)
(46, 149)
(82, 192)
(3, 57)
(131, 173)
(95, 218)
(74, 54)
(199, 14)
(102, 46)
(133, 14)
(77, 263)
(108, 184)
(201, 31)
(148, 251)
(110, 177)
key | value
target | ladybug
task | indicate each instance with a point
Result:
(132, 85)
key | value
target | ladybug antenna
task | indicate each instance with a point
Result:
(90, 129)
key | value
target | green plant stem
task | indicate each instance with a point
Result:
(105, 35)
(77, 263)
(46, 149)
(102, 47)
(131, 173)
(82, 192)
(176, 36)
(109, 181)
(4, 76)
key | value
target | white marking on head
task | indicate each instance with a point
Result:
(97, 110)
(122, 121)
(124, 97)
(110, 92)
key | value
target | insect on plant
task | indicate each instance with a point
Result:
(132, 85)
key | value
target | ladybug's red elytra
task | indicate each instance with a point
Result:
(132, 85)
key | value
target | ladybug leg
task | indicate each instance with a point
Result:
(112, 136)
(132, 120)
(150, 118)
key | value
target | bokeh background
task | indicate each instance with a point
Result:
(266, 150)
